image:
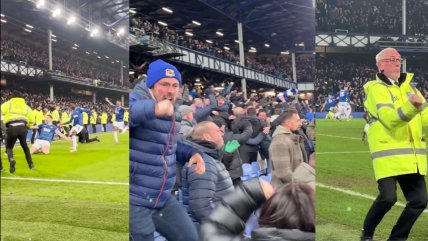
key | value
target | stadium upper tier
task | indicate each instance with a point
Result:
(370, 16)
(68, 63)
(279, 66)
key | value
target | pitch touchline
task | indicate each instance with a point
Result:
(357, 194)
(64, 180)
(344, 137)
(341, 152)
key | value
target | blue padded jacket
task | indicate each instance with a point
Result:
(153, 151)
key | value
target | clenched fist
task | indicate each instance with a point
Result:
(416, 100)
(164, 108)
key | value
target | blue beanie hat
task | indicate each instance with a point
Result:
(160, 69)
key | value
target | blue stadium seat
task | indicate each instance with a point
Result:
(255, 168)
(247, 169)
(159, 237)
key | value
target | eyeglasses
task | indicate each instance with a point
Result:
(393, 60)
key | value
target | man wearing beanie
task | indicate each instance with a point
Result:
(154, 150)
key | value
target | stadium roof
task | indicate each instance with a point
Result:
(112, 13)
(18, 13)
(281, 24)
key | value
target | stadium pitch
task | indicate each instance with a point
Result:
(68, 196)
(346, 185)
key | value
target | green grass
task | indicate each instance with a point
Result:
(339, 215)
(52, 211)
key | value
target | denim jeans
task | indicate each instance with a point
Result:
(171, 221)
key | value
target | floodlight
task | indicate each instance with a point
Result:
(167, 10)
(71, 20)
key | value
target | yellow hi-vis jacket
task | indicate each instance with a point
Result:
(93, 118)
(55, 115)
(126, 116)
(395, 138)
(104, 118)
(38, 117)
(16, 110)
(85, 118)
(64, 117)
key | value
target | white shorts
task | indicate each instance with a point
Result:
(119, 124)
(343, 106)
(77, 129)
(41, 143)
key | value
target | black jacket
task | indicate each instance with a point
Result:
(233, 161)
(201, 193)
(227, 221)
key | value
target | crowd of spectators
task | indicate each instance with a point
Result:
(305, 68)
(250, 143)
(278, 66)
(420, 77)
(353, 72)
(67, 63)
(369, 16)
(35, 98)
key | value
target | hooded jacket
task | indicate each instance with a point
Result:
(395, 138)
(153, 151)
(227, 221)
(202, 193)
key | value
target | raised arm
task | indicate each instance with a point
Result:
(109, 102)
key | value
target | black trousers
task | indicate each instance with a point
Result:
(84, 137)
(33, 136)
(248, 153)
(104, 127)
(415, 191)
(66, 129)
(17, 132)
(94, 128)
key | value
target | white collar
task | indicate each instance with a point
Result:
(393, 82)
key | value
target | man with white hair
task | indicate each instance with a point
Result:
(397, 113)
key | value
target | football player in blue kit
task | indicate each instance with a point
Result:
(118, 123)
(46, 134)
(77, 120)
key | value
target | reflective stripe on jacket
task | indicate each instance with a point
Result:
(395, 138)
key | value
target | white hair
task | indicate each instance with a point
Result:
(379, 55)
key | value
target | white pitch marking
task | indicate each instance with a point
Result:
(64, 180)
(357, 194)
(341, 152)
(344, 137)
